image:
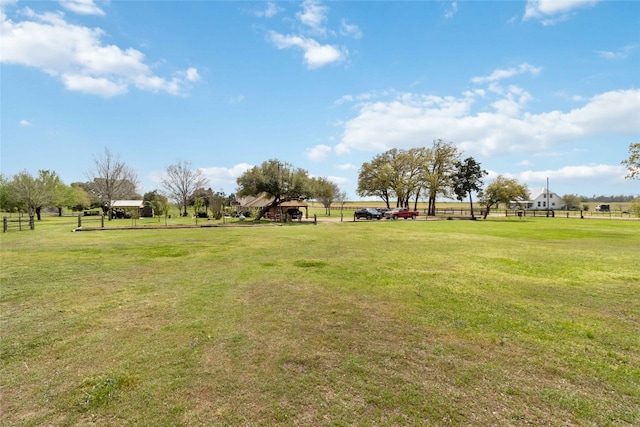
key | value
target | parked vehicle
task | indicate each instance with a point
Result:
(294, 213)
(401, 213)
(368, 213)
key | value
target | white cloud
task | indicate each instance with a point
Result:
(315, 54)
(270, 11)
(25, 123)
(618, 54)
(550, 12)
(412, 120)
(93, 85)
(338, 180)
(350, 30)
(313, 19)
(511, 104)
(318, 153)
(574, 172)
(344, 148)
(314, 16)
(549, 154)
(236, 99)
(501, 74)
(221, 177)
(448, 14)
(7, 3)
(361, 97)
(82, 7)
(190, 74)
(614, 111)
(76, 55)
(347, 167)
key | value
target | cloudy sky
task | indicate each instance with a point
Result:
(531, 89)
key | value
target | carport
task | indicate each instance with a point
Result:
(286, 207)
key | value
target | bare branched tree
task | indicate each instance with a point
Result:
(180, 181)
(112, 179)
(342, 199)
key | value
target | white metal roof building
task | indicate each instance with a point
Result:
(127, 204)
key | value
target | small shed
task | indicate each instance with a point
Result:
(123, 207)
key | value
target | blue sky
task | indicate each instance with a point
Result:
(531, 89)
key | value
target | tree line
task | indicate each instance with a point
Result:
(399, 176)
(409, 175)
(112, 179)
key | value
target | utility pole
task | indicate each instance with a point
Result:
(547, 197)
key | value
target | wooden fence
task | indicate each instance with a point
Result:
(461, 212)
(571, 214)
(18, 223)
(93, 219)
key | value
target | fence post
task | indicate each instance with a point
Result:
(5, 224)
(315, 219)
(102, 220)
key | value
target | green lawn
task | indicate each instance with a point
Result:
(504, 321)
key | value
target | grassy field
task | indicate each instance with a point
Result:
(505, 321)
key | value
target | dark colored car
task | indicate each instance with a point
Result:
(295, 213)
(368, 213)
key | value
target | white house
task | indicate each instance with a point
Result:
(543, 201)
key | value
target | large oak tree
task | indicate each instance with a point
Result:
(439, 171)
(278, 179)
(395, 173)
(374, 179)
